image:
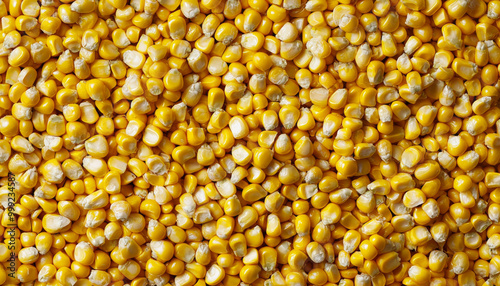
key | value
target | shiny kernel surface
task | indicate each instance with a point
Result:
(255, 142)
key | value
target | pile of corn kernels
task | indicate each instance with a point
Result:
(249, 142)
